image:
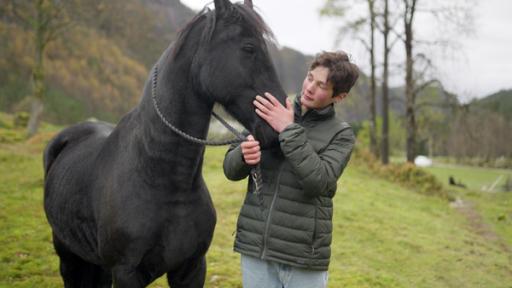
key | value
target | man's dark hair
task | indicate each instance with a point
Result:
(342, 73)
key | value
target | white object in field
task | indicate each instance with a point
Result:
(422, 161)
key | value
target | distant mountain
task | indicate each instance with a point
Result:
(98, 65)
(355, 108)
(499, 102)
(171, 15)
(291, 66)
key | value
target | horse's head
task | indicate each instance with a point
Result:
(232, 64)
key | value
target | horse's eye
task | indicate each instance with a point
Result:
(248, 48)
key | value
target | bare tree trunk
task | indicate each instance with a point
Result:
(409, 82)
(431, 146)
(38, 76)
(409, 111)
(373, 85)
(36, 111)
(46, 18)
(385, 89)
(37, 106)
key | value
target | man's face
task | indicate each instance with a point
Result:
(316, 90)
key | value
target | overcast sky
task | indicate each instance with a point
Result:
(480, 66)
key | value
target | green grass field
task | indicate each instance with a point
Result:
(385, 235)
(475, 178)
(486, 191)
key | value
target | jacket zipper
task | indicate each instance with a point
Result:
(267, 225)
(314, 231)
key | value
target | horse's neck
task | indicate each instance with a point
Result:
(189, 119)
(168, 154)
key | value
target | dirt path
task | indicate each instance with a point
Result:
(478, 225)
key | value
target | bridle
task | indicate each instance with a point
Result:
(255, 171)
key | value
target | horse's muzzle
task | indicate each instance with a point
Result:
(267, 136)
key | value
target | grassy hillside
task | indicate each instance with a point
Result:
(385, 235)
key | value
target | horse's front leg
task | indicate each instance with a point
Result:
(190, 275)
(126, 276)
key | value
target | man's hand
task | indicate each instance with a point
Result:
(251, 151)
(276, 115)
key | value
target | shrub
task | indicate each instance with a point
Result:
(11, 136)
(21, 119)
(406, 174)
(501, 162)
(6, 120)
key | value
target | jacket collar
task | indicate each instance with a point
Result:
(312, 114)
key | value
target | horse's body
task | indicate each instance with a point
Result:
(128, 203)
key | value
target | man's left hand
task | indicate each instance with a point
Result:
(276, 115)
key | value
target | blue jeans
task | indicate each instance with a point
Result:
(257, 273)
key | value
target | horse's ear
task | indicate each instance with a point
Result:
(248, 3)
(221, 6)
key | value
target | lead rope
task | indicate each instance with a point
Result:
(255, 171)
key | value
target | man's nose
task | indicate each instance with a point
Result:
(310, 86)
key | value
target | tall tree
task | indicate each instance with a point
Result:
(408, 20)
(373, 82)
(385, 87)
(377, 17)
(456, 14)
(338, 8)
(46, 18)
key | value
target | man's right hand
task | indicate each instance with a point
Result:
(251, 151)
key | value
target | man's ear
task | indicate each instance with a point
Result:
(339, 97)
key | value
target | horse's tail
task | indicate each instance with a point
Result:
(71, 136)
(52, 150)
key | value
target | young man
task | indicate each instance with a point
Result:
(285, 238)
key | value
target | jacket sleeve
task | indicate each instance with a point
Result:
(234, 165)
(318, 173)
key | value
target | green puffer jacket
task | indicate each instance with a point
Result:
(294, 224)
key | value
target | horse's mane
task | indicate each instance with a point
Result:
(236, 13)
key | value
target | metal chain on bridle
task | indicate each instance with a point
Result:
(255, 171)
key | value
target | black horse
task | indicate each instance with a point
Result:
(128, 204)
